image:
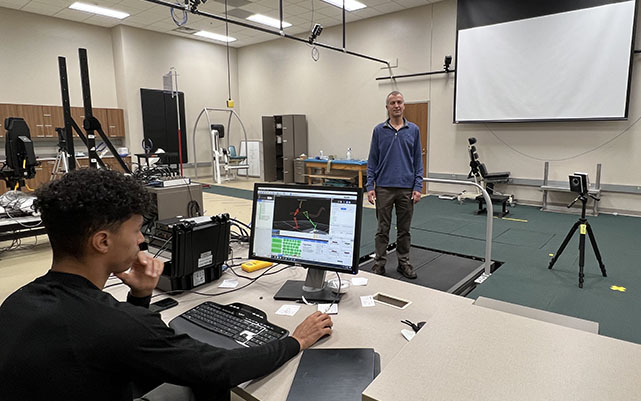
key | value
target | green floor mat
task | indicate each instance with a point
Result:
(227, 191)
(532, 239)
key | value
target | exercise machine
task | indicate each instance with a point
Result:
(487, 180)
(222, 159)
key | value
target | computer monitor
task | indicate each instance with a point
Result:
(315, 227)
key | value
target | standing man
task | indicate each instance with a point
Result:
(394, 178)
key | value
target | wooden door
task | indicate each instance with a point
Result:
(418, 114)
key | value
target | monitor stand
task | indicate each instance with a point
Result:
(314, 289)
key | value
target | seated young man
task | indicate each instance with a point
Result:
(63, 338)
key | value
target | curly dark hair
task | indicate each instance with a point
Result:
(85, 201)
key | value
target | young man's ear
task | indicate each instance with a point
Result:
(100, 241)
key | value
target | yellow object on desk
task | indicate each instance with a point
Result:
(254, 265)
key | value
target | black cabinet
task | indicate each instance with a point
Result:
(284, 139)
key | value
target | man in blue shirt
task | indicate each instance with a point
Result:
(394, 179)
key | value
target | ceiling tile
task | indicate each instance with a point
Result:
(137, 4)
(157, 17)
(257, 8)
(73, 15)
(412, 3)
(388, 7)
(239, 13)
(234, 3)
(16, 4)
(41, 8)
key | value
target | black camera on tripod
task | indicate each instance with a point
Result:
(579, 183)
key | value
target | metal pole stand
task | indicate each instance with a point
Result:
(584, 229)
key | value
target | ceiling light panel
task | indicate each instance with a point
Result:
(269, 21)
(350, 5)
(215, 36)
(90, 8)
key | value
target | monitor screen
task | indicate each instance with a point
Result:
(311, 226)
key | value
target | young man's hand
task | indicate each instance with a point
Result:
(143, 275)
(312, 328)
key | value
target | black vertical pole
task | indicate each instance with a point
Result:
(89, 123)
(66, 110)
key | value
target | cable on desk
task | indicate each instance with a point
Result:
(253, 280)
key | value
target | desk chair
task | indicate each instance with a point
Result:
(481, 176)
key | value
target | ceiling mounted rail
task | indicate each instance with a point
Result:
(418, 74)
(193, 10)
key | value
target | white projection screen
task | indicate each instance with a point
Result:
(543, 60)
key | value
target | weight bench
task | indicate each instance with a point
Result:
(496, 199)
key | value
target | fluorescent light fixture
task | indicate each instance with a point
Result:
(215, 36)
(350, 5)
(269, 21)
(90, 8)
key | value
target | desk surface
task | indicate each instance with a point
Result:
(377, 327)
(465, 352)
(484, 354)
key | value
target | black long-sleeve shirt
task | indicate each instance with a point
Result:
(62, 338)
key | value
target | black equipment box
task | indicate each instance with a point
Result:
(194, 248)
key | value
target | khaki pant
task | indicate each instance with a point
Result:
(386, 199)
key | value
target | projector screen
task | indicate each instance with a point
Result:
(543, 60)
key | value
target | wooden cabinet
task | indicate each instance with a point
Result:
(43, 120)
(30, 115)
(6, 110)
(115, 123)
(52, 118)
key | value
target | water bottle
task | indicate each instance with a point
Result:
(321, 154)
(349, 153)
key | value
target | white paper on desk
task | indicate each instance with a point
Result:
(367, 301)
(330, 309)
(229, 283)
(288, 310)
(359, 281)
(408, 334)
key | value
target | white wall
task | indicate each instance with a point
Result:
(339, 94)
(343, 101)
(143, 57)
(29, 51)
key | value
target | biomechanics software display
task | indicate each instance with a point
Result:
(306, 226)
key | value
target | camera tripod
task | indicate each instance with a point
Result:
(584, 229)
(61, 165)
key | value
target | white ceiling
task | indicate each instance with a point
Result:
(302, 14)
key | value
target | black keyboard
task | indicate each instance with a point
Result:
(242, 323)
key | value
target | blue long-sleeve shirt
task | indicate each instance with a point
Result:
(395, 158)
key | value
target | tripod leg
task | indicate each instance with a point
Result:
(596, 250)
(563, 245)
(581, 254)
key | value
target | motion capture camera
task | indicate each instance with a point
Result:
(316, 31)
(579, 183)
(446, 63)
